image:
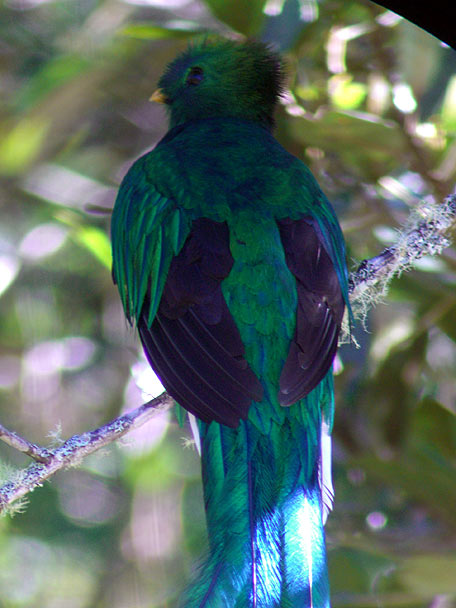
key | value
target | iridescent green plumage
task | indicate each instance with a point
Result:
(230, 260)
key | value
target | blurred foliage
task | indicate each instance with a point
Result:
(372, 110)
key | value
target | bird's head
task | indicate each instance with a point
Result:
(216, 77)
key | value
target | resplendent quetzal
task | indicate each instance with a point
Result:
(230, 261)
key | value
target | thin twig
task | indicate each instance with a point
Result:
(73, 450)
(36, 452)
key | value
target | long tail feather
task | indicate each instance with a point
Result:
(264, 517)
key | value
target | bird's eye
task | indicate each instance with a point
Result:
(195, 76)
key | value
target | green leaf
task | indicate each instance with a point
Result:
(447, 324)
(423, 475)
(346, 94)
(20, 147)
(449, 106)
(55, 73)
(429, 575)
(96, 242)
(245, 16)
(349, 569)
(193, 519)
(434, 431)
(149, 31)
(367, 143)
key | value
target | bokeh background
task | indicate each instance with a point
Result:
(371, 108)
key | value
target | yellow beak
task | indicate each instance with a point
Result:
(158, 96)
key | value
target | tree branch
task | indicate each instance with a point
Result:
(424, 234)
(36, 452)
(72, 451)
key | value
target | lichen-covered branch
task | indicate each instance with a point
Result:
(72, 451)
(426, 233)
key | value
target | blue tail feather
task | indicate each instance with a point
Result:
(264, 521)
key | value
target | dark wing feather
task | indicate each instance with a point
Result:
(319, 313)
(193, 343)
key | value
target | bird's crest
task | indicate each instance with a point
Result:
(215, 76)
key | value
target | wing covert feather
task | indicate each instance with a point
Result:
(148, 230)
(319, 312)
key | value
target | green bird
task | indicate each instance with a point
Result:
(231, 263)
